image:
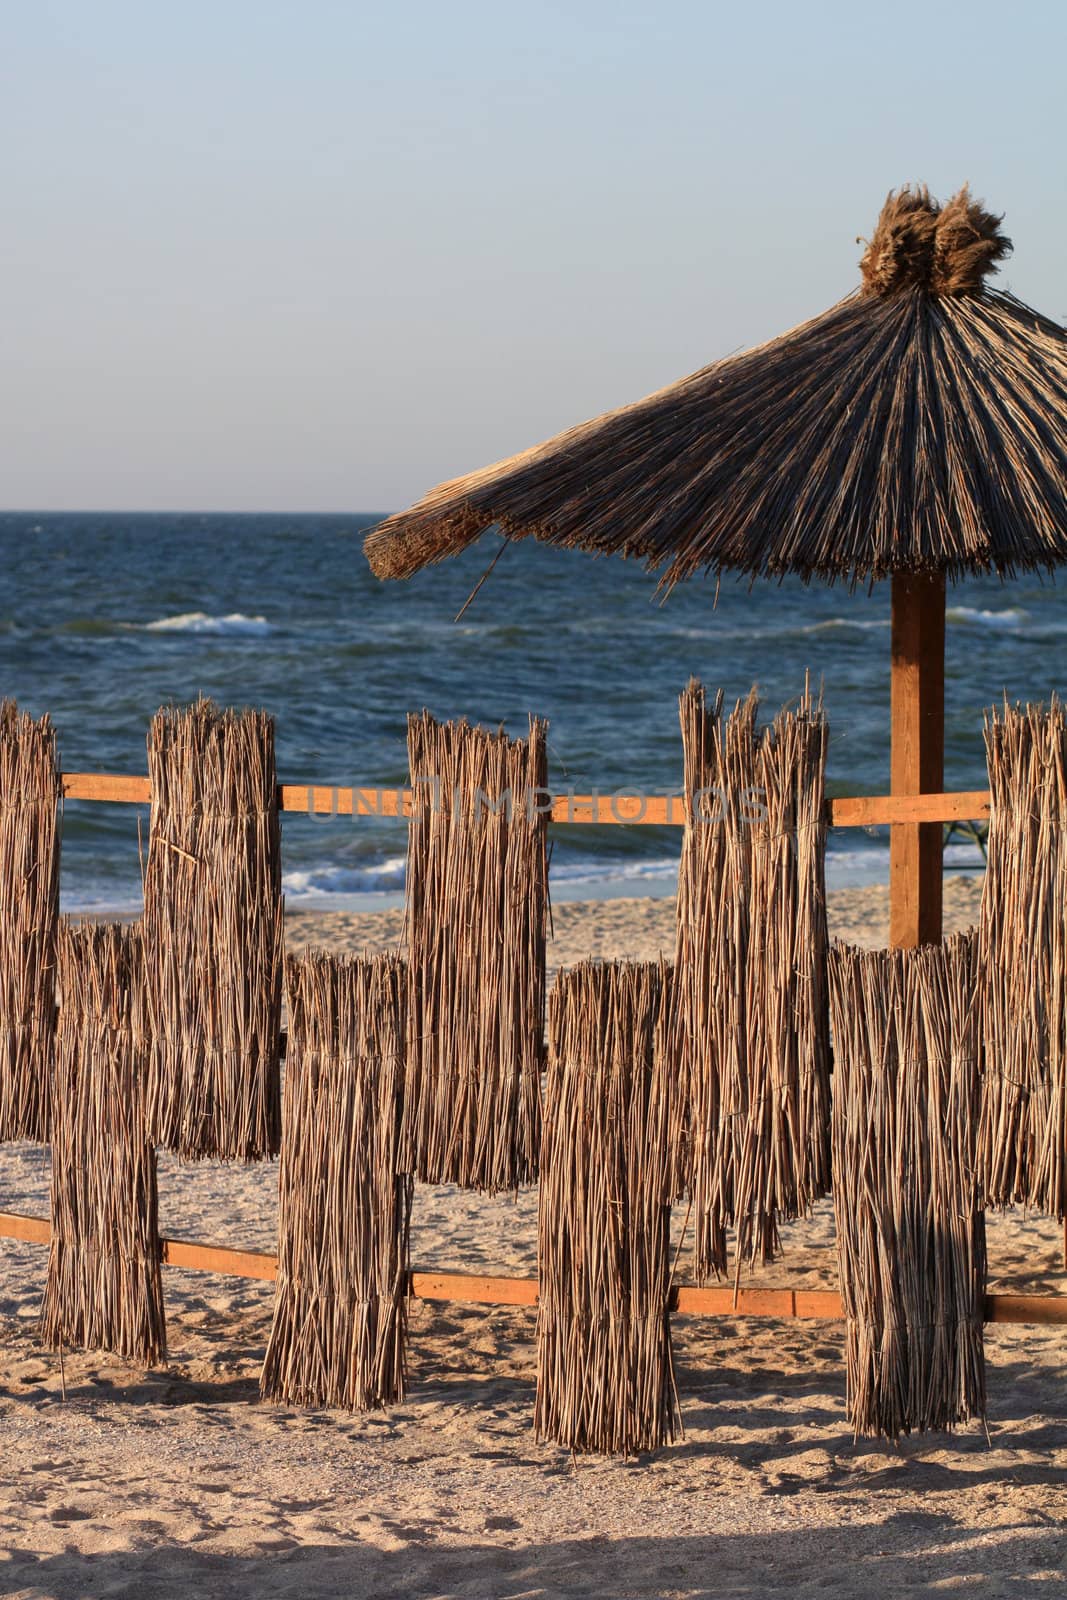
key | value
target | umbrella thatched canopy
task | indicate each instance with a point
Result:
(916, 426)
(914, 431)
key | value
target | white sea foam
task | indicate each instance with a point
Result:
(971, 616)
(635, 872)
(326, 885)
(830, 624)
(201, 622)
(715, 634)
(316, 885)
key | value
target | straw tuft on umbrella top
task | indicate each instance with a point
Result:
(914, 427)
(942, 249)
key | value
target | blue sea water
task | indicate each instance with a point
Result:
(105, 617)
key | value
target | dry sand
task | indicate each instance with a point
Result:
(179, 1482)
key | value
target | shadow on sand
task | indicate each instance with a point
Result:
(913, 1555)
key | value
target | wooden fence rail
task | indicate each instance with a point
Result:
(630, 810)
(687, 1300)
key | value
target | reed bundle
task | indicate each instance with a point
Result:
(340, 1318)
(104, 1288)
(605, 1375)
(30, 793)
(751, 1030)
(915, 426)
(1024, 960)
(213, 933)
(477, 904)
(910, 1226)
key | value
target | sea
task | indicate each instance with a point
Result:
(105, 617)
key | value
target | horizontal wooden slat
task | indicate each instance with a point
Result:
(220, 1258)
(630, 810)
(715, 1302)
(320, 800)
(687, 1300)
(33, 1230)
(690, 1300)
(864, 811)
(473, 1290)
(1043, 1308)
(120, 786)
(817, 1303)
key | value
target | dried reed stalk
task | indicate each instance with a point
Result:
(1024, 961)
(213, 933)
(910, 1226)
(477, 905)
(104, 1288)
(751, 1028)
(340, 1316)
(30, 792)
(605, 1375)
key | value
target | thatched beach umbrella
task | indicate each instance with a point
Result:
(915, 431)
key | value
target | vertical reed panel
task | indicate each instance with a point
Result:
(30, 793)
(751, 1029)
(477, 905)
(213, 933)
(104, 1287)
(910, 1225)
(605, 1377)
(1023, 1137)
(340, 1313)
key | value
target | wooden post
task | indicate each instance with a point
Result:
(917, 760)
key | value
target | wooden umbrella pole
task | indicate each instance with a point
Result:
(917, 761)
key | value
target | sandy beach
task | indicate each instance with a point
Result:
(180, 1482)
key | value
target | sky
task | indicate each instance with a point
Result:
(312, 255)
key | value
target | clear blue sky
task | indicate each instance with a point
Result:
(305, 254)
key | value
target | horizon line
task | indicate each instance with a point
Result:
(179, 511)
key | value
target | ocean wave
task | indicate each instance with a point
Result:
(847, 865)
(327, 882)
(201, 622)
(831, 624)
(589, 871)
(787, 630)
(857, 866)
(102, 902)
(330, 883)
(971, 616)
(338, 889)
(89, 627)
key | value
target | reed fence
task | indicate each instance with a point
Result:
(561, 809)
(1022, 1151)
(344, 1206)
(213, 934)
(605, 1371)
(29, 913)
(104, 1288)
(477, 906)
(751, 1036)
(907, 1194)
